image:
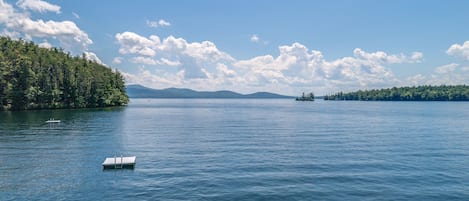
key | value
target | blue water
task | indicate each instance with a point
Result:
(210, 149)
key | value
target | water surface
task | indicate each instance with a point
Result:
(215, 149)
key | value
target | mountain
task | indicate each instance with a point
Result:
(139, 91)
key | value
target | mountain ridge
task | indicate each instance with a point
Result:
(139, 91)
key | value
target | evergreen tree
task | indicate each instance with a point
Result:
(420, 93)
(37, 78)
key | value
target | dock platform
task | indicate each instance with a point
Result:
(119, 162)
(52, 120)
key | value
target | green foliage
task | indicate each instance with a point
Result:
(37, 78)
(420, 93)
(304, 97)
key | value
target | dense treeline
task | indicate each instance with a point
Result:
(419, 93)
(304, 97)
(38, 78)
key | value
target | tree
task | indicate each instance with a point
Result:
(37, 78)
(420, 93)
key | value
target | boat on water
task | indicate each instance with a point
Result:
(52, 120)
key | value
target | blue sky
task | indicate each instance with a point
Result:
(285, 47)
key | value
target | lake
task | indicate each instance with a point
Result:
(239, 149)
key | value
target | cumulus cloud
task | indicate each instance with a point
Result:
(45, 44)
(38, 5)
(417, 57)
(6, 12)
(449, 74)
(459, 50)
(296, 65)
(167, 62)
(158, 23)
(416, 79)
(192, 59)
(256, 39)
(144, 60)
(19, 24)
(446, 68)
(155, 79)
(132, 43)
(201, 65)
(225, 71)
(92, 57)
(117, 60)
(381, 56)
(66, 32)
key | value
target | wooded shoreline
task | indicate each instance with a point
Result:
(32, 77)
(415, 93)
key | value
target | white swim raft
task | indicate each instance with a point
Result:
(52, 120)
(119, 162)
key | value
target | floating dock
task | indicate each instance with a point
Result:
(53, 121)
(119, 162)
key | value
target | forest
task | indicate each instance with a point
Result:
(32, 77)
(415, 93)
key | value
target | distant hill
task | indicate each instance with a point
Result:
(139, 91)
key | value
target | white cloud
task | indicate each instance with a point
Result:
(202, 66)
(416, 79)
(158, 23)
(417, 57)
(254, 38)
(117, 60)
(163, 23)
(298, 66)
(6, 12)
(225, 71)
(11, 34)
(132, 43)
(449, 74)
(448, 68)
(151, 61)
(459, 50)
(19, 24)
(45, 44)
(93, 57)
(38, 5)
(144, 60)
(164, 61)
(69, 35)
(381, 56)
(191, 58)
(155, 79)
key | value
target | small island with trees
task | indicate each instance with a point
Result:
(415, 93)
(305, 97)
(32, 77)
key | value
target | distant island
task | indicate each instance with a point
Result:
(308, 97)
(139, 91)
(416, 93)
(39, 78)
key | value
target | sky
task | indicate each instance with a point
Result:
(285, 47)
